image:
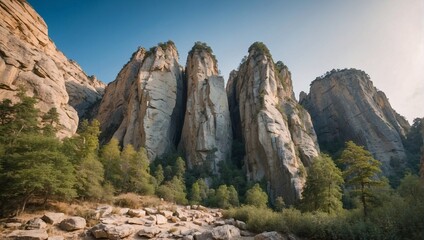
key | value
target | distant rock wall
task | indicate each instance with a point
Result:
(145, 104)
(206, 135)
(344, 105)
(276, 131)
(29, 58)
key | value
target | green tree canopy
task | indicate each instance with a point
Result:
(361, 173)
(256, 196)
(322, 191)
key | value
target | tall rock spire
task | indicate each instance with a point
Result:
(277, 132)
(144, 106)
(206, 137)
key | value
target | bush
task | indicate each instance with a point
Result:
(256, 196)
(129, 200)
(257, 219)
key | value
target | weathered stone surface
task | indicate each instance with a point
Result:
(226, 232)
(36, 223)
(345, 105)
(112, 232)
(206, 136)
(136, 213)
(270, 236)
(52, 217)
(277, 132)
(29, 58)
(72, 223)
(144, 105)
(160, 219)
(149, 232)
(103, 211)
(37, 234)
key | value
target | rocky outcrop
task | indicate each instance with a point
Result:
(276, 131)
(206, 136)
(29, 58)
(344, 105)
(144, 106)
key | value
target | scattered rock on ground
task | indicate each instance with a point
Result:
(35, 223)
(52, 217)
(103, 211)
(149, 232)
(270, 236)
(72, 223)
(37, 234)
(136, 213)
(160, 219)
(112, 232)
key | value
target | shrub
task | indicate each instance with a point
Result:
(130, 200)
(256, 196)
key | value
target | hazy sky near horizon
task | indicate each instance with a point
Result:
(383, 38)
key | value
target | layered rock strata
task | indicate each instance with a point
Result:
(145, 104)
(29, 58)
(277, 132)
(345, 105)
(206, 136)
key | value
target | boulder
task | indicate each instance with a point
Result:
(278, 136)
(136, 213)
(270, 236)
(36, 223)
(149, 232)
(37, 234)
(72, 223)
(226, 232)
(56, 238)
(111, 231)
(52, 217)
(160, 219)
(167, 214)
(104, 210)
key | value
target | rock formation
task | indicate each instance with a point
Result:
(206, 136)
(29, 58)
(145, 105)
(344, 105)
(277, 132)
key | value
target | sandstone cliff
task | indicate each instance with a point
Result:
(145, 105)
(206, 136)
(344, 105)
(29, 58)
(277, 132)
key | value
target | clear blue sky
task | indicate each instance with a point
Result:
(383, 38)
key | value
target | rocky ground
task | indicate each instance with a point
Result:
(165, 221)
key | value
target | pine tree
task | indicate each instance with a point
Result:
(110, 156)
(361, 173)
(195, 197)
(322, 191)
(223, 196)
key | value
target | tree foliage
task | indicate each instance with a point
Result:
(257, 197)
(361, 173)
(322, 191)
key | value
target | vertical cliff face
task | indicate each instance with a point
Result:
(277, 132)
(206, 136)
(345, 105)
(29, 58)
(144, 106)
